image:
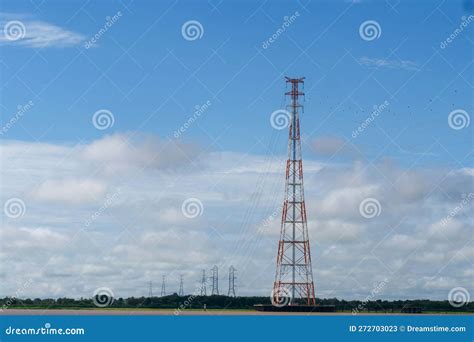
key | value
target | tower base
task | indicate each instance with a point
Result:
(295, 308)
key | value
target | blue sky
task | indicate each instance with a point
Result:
(88, 206)
(142, 68)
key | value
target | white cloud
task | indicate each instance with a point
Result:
(142, 234)
(451, 229)
(76, 191)
(389, 63)
(336, 231)
(31, 239)
(35, 33)
(402, 242)
(332, 146)
(345, 201)
(122, 152)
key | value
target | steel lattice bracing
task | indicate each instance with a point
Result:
(181, 286)
(215, 281)
(203, 283)
(231, 292)
(294, 276)
(163, 287)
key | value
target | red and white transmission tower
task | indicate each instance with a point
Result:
(294, 276)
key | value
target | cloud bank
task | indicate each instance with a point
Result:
(109, 213)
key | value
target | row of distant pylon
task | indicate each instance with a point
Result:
(214, 280)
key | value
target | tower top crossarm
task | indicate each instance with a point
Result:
(294, 93)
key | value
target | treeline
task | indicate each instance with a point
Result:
(223, 302)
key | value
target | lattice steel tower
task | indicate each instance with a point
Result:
(181, 286)
(215, 281)
(203, 283)
(163, 287)
(231, 292)
(294, 276)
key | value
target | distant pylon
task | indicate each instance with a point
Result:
(163, 287)
(203, 283)
(231, 292)
(181, 288)
(294, 275)
(150, 292)
(215, 281)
